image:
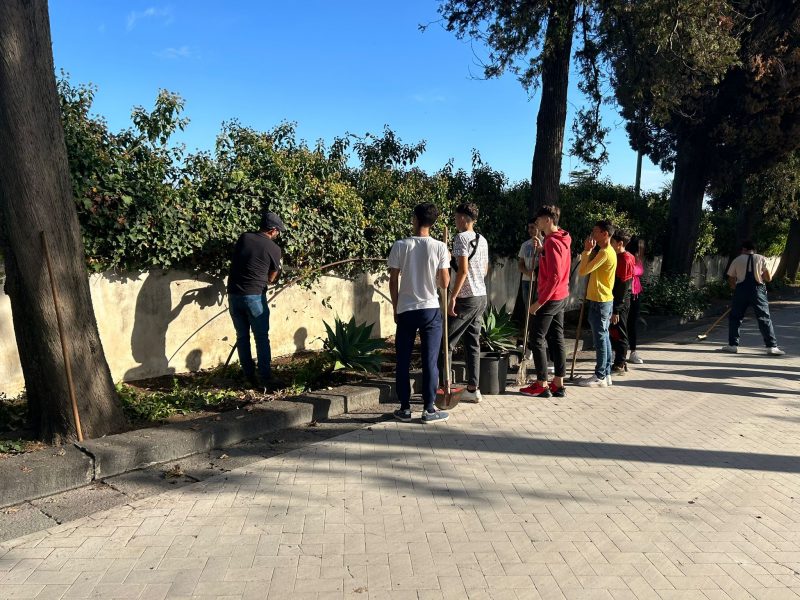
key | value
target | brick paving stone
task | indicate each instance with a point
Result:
(680, 481)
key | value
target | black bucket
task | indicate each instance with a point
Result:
(494, 370)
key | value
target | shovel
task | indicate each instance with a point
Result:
(448, 397)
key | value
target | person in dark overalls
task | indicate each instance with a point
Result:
(748, 276)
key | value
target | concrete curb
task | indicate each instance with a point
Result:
(55, 470)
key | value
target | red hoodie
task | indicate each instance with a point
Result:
(554, 267)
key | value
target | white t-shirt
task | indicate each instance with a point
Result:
(527, 254)
(418, 259)
(474, 284)
(738, 267)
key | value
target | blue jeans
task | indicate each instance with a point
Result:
(755, 296)
(252, 312)
(599, 320)
(428, 321)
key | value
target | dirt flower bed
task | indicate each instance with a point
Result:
(186, 396)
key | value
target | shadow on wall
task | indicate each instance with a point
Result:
(153, 316)
(193, 360)
(366, 305)
(300, 337)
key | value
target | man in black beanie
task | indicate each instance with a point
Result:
(256, 263)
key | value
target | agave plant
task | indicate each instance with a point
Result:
(350, 346)
(499, 332)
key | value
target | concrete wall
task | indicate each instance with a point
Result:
(160, 322)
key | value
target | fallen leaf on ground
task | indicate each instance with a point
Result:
(61, 452)
(223, 456)
(175, 471)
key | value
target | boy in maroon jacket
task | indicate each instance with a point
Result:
(623, 281)
(547, 328)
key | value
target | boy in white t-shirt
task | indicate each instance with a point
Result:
(417, 264)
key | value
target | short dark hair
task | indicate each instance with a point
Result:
(620, 235)
(605, 225)
(633, 245)
(549, 210)
(426, 214)
(532, 221)
(749, 246)
(468, 209)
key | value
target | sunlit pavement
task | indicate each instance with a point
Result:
(680, 481)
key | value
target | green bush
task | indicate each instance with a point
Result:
(144, 202)
(157, 406)
(673, 295)
(13, 412)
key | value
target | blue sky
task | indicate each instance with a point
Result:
(331, 66)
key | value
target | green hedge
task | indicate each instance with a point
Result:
(145, 202)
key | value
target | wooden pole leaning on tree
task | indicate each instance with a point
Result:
(67, 364)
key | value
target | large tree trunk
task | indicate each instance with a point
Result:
(35, 197)
(790, 257)
(685, 208)
(551, 120)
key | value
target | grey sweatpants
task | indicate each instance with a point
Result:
(467, 325)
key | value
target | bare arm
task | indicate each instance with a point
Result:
(732, 282)
(766, 276)
(461, 276)
(443, 278)
(273, 276)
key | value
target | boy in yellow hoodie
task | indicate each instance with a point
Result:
(599, 262)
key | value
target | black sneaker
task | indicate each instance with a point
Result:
(557, 392)
(403, 414)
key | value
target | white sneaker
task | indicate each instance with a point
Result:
(731, 349)
(473, 396)
(775, 351)
(609, 383)
(635, 358)
(593, 381)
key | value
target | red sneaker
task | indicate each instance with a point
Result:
(558, 392)
(536, 390)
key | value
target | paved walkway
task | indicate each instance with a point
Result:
(681, 481)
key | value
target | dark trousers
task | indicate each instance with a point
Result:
(755, 296)
(428, 322)
(467, 325)
(619, 334)
(633, 322)
(547, 333)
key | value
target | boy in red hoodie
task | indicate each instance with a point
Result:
(547, 328)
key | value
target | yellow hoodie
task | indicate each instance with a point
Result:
(601, 270)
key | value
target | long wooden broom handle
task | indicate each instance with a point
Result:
(67, 363)
(446, 336)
